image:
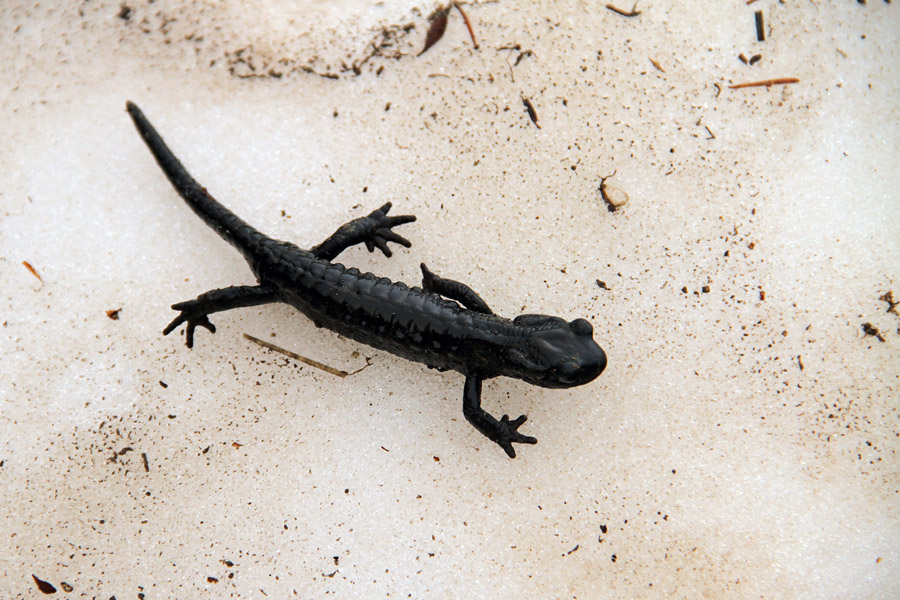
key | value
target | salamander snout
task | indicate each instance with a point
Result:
(580, 358)
(587, 364)
(560, 354)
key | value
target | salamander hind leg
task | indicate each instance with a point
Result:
(374, 230)
(503, 432)
(453, 290)
(195, 313)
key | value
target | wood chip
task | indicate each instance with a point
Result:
(760, 28)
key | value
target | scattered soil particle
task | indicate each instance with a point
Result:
(892, 306)
(870, 329)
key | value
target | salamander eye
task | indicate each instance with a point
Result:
(582, 327)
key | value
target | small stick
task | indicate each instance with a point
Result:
(468, 24)
(765, 82)
(295, 356)
(32, 270)
(624, 13)
(656, 64)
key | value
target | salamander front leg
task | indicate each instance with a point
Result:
(374, 230)
(195, 312)
(503, 432)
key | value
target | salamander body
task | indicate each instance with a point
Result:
(443, 324)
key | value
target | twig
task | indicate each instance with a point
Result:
(295, 356)
(765, 82)
(624, 13)
(32, 270)
(656, 64)
(468, 24)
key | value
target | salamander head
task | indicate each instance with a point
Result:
(555, 353)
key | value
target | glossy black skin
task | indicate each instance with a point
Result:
(443, 324)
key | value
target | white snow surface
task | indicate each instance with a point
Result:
(742, 443)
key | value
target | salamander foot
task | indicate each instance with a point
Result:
(504, 432)
(374, 230)
(193, 321)
(507, 434)
(381, 232)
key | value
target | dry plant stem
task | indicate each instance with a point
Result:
(625, 13)
(295, 356)
(468, 23)
(765, 83)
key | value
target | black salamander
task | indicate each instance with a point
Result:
(443, 324)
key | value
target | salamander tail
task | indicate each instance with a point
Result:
(228, 225)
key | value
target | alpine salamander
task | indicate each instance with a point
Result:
(443, 324)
